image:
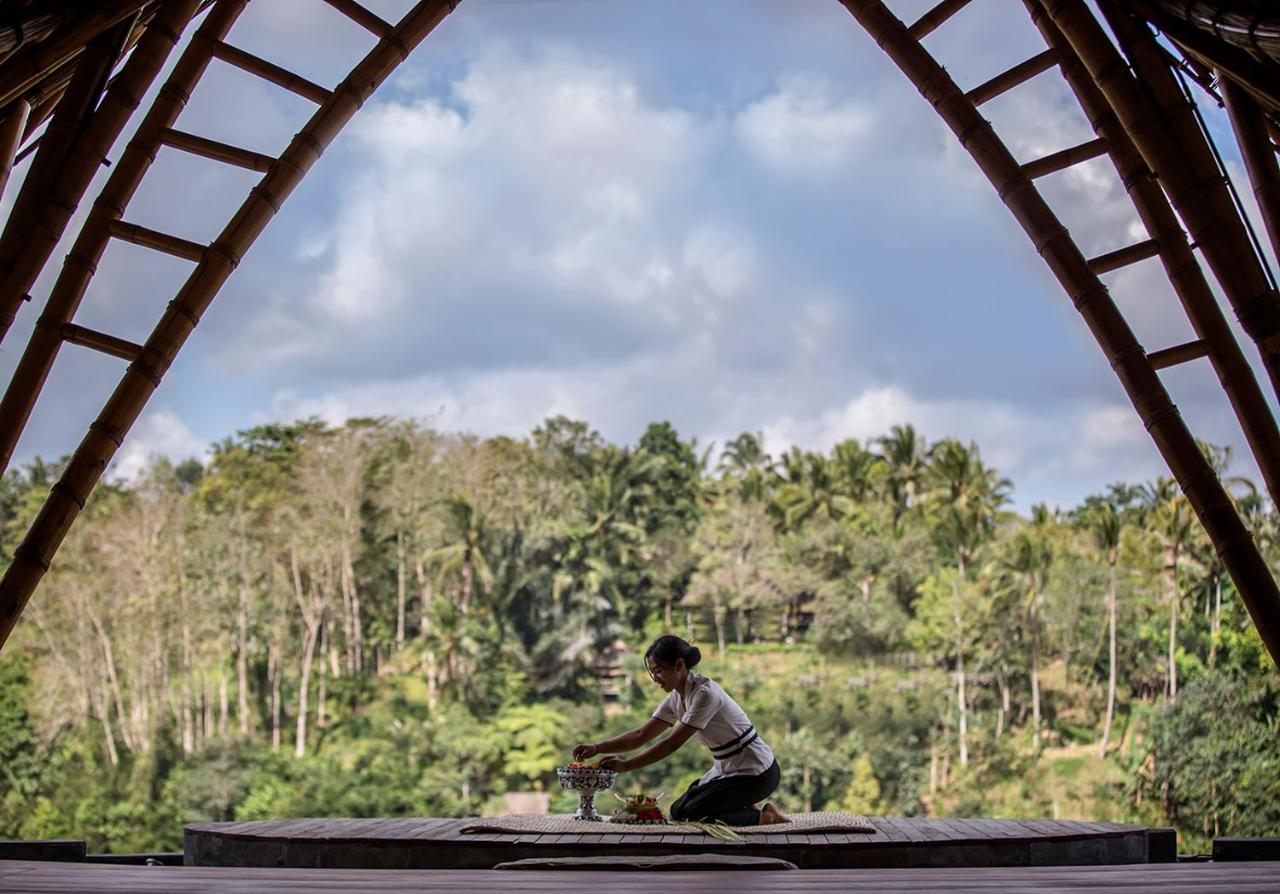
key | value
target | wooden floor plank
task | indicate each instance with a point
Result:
(1229, 878)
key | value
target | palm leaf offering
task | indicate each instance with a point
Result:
(717, 830)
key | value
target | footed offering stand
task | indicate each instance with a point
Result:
(586, 781)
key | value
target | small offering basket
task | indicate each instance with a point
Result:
(586, 781)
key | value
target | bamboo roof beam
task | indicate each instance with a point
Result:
(75, 155)
(11, 131)
(82, 261)
(32, 558)
(27, 67)
(1259, 155)
(935, 18)
(1166, 133)
(1014, 77)
(33, 222)
(1181, 266)
(1090, 297)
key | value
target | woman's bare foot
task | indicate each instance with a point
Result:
(771, 816)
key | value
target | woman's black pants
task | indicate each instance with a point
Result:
(728, 799)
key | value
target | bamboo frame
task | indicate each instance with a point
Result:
(1183, 270)
(1259, 155)
(81, 262)
(54, 188)
(1204, 491)
(11, 131)
(31, 559)
(1165, 132)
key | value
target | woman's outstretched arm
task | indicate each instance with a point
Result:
(646, 732)
(651, 755)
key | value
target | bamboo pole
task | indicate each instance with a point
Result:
(123, 97)
(27, 67)
(76, 149)
(1259, 156)
(1183, 270)
(31, 559)
(1165, 132)
(11, 130)
(1090, 297)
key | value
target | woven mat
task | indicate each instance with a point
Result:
(801, 823)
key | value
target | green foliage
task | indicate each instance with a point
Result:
(379, 619)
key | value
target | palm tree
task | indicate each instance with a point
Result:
(812, 491)
(964, 498)
(463, 556)
(904, 454)
(855, 468)
(1028, 559)
(1105, 523)
(1169, 515)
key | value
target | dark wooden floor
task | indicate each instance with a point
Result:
(1169, 878)
(440, 844)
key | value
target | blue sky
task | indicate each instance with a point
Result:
(731, 214)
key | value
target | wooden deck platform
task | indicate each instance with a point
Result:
(440, 844)
(1169, 878)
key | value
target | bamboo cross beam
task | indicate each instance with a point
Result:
(1174, 440)
(33, 232)
(32, 558)
(82, 261)
(1181, 266)
(1165, 132)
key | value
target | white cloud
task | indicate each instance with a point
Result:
(804, 127)
(160, 432)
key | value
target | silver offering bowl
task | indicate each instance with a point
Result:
(586, 781)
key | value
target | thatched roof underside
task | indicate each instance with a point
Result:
(72, 74)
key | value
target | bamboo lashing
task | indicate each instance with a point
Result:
(1183, 270)
(31, 559)
(1090, 297)
(82, 261)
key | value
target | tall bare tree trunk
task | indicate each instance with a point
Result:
(223, 698)
(1171, 575)
(1111, 658)
(322, 695)
(242, 639)
(1215, 623)
(401, 597)
(273, 675)
(109, 662)
(717, 614)
(1035, 672)
(1002, 680)
(961, 704)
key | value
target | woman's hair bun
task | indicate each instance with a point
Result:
(668, 649)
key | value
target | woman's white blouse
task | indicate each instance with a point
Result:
(721, 725)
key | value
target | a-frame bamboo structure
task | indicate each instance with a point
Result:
(84, 72)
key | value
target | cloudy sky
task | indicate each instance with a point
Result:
(735, 215)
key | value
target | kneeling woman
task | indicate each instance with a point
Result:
(744, 771)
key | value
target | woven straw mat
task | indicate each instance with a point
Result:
(566, 825)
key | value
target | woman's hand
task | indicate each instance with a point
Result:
(584, 751)
(617, 764)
